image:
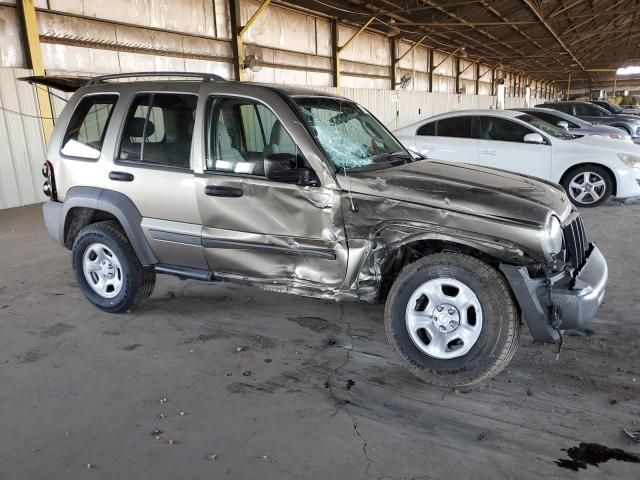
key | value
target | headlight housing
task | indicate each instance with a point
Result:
(552, 239)
(629, 159)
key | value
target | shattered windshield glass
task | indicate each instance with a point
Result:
(350, 136)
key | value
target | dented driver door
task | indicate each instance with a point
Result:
(284, 235)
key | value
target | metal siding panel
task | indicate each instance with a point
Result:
(21, 141)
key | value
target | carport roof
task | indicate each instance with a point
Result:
(545, 39)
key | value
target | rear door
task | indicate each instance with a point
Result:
(502, 146)
(258, 229)
(449, 139)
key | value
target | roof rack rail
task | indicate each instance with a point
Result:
(211, 77)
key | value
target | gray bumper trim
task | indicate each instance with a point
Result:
(52, 213)
(578, 303)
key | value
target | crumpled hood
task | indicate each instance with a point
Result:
(466, 188)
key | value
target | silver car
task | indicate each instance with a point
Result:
(595, 114)
(575, 125)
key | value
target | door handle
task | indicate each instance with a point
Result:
(216, 191)
(489, 152)
(121, 176)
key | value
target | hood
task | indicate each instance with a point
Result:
(466, 188)
(612, 147)
(624, 116)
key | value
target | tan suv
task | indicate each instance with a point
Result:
(307, 193)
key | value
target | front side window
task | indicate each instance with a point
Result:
(546, 127)
(88, 125)
(350, 137)
(241, 134)
(494, 128)
(158, 130)
(587, 110)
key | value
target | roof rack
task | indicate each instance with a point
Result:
(211, 77)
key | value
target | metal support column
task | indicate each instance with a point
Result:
(430, 67)
(568, 86)
(457, 73)
(394, 61)
(477, 79)
(237, 33)
(27, 13)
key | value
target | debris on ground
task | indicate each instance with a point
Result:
(163, 400)
(172, 441)
(484, 436)
(633, 435)
(161, 416)
(212, 457)
(246, 373)
(156, 432)
(181, 413)
(350, 383)
(89, 466)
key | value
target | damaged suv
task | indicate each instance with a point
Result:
(305, 192)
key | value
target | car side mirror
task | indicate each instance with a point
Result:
(283, 167)
(563, 124)
(533, 138)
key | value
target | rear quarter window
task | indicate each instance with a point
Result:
(85, 133)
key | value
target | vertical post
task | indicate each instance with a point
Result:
(27, 13)
(335, 54)
(394, 61)
(430, 68)
(236, 39)
(568, 86)
(493, 81)
(615, 83)
(477, 78)
(457, 73)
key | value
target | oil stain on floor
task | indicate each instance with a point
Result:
(586, 454)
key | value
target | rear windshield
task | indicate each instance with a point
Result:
(88, 125)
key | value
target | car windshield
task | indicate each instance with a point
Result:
(547, 127)
(350, 136)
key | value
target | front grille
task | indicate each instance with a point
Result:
(575, 242)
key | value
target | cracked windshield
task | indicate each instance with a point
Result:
(351, 138)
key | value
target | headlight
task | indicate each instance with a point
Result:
(620, 136)
(629, 160)
(552, 241)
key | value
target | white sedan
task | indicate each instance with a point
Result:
(590, 168)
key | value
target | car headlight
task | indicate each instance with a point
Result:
(552, 240)
(629, 160)
(620, 136)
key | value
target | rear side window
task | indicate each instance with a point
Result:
(427, 130)
(586, 110)
(158, 130)
(88, 125)
(457, 127)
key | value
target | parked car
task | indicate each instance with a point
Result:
(575, 125)
(595, 114)
(306, 193)
(590, 169)
(615, 109)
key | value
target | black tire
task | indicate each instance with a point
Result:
(137, 282)
(596, 171)
(500, 331)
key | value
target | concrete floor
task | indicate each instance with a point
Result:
(280, 387)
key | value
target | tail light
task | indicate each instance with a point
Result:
(49, 186)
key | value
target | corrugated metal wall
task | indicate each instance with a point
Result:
(21, 141)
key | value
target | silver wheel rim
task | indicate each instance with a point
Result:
(587, 187)
(444, 318)
(102, 270)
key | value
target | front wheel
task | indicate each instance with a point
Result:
(588, 185)
(452, 320)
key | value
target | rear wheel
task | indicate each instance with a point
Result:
(588, 185)
(107, 269)
(452, 320)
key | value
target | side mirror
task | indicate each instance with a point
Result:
(283, 167)
(533, 138)
(563, 124)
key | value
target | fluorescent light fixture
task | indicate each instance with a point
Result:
(630, 70)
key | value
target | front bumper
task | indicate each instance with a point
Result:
(577, 298)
